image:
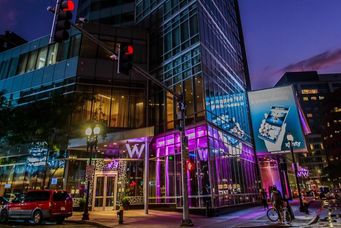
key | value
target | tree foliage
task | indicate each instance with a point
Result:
(41, 121)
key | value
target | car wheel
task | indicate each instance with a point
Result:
(60, 220)
(37, 217)
(4, 216)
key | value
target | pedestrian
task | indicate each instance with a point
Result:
(264, 198)
(277, 201)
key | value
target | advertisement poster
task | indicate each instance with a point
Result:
(274, 114)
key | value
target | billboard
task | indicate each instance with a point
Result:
(274, 113)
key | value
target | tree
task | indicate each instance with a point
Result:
(47, 121)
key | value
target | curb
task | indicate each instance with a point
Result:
(98, 224)
(314, 220)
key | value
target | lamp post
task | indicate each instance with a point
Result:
(290, 139)
(91, 142)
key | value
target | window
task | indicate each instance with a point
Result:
(31, 63)
(193, 23)
(313, 98)
(170, 111)
(22, 64)
(60, 196)
(309, 115)
(41, 58)
(37, 196)
(52, 54)
(305, 99)
(75, 45)
(309, 91)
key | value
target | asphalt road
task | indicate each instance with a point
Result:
(48, 225)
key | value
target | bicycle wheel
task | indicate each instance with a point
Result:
(288, 217)
(272, 215)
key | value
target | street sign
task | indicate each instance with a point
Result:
(54, 181)
(7, 186)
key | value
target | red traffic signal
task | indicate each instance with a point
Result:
(129, 50)
(68, 5)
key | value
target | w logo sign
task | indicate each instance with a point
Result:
(135, 150)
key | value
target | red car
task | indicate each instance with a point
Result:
(39, 205)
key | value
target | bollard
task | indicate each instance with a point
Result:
(330, 219)
(120, 215)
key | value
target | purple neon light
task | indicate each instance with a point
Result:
(304, 122)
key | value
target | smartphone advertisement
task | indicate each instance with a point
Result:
(274, 114)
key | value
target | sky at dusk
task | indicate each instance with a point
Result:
(280, 35)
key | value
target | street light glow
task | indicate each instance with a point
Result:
(97, 130)
(88, 131)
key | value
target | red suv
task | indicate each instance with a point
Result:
(39, 205)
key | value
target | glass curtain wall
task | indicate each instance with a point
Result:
(221, 169)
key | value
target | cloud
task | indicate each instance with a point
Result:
(317, 62)
(325, 61)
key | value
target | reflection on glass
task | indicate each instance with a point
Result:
(41, 58)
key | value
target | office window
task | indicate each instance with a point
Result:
(305, 99)
(75, 46)
(22, 64)
(52, 54)
(170, 111)
(41, 58)
(309, 91)
(199, 90)
(313, 98)
(31, 62)
(309, 115)
(193, 23)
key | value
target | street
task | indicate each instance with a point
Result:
(47, 225)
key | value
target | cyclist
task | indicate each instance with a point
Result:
(277, 201)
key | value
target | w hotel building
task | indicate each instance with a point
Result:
(195, 48)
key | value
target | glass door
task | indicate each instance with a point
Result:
(104, 196)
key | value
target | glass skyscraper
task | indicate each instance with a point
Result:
(198, 51)
(117, 12)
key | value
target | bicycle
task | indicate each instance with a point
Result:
(273, 215)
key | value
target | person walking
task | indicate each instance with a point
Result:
(264, 198)
(277, 201)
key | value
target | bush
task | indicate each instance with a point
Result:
(125, 203)
(81, 204)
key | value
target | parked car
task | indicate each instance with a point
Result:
(39, 205)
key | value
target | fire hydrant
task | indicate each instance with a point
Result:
(120, 215)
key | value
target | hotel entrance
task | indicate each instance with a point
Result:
(104, 196)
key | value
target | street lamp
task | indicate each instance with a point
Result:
(91, 142)
(290, 139)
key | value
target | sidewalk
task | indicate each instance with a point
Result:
(251, 217)
(137, 218)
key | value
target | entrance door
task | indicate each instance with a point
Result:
(104, 196)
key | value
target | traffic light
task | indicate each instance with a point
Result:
(63, 21)
(126, 58)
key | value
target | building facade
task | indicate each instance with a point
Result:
(117, 13)
(10, 40)
(198, 51)
(195, 48)
(311, 90)
(331, 132)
